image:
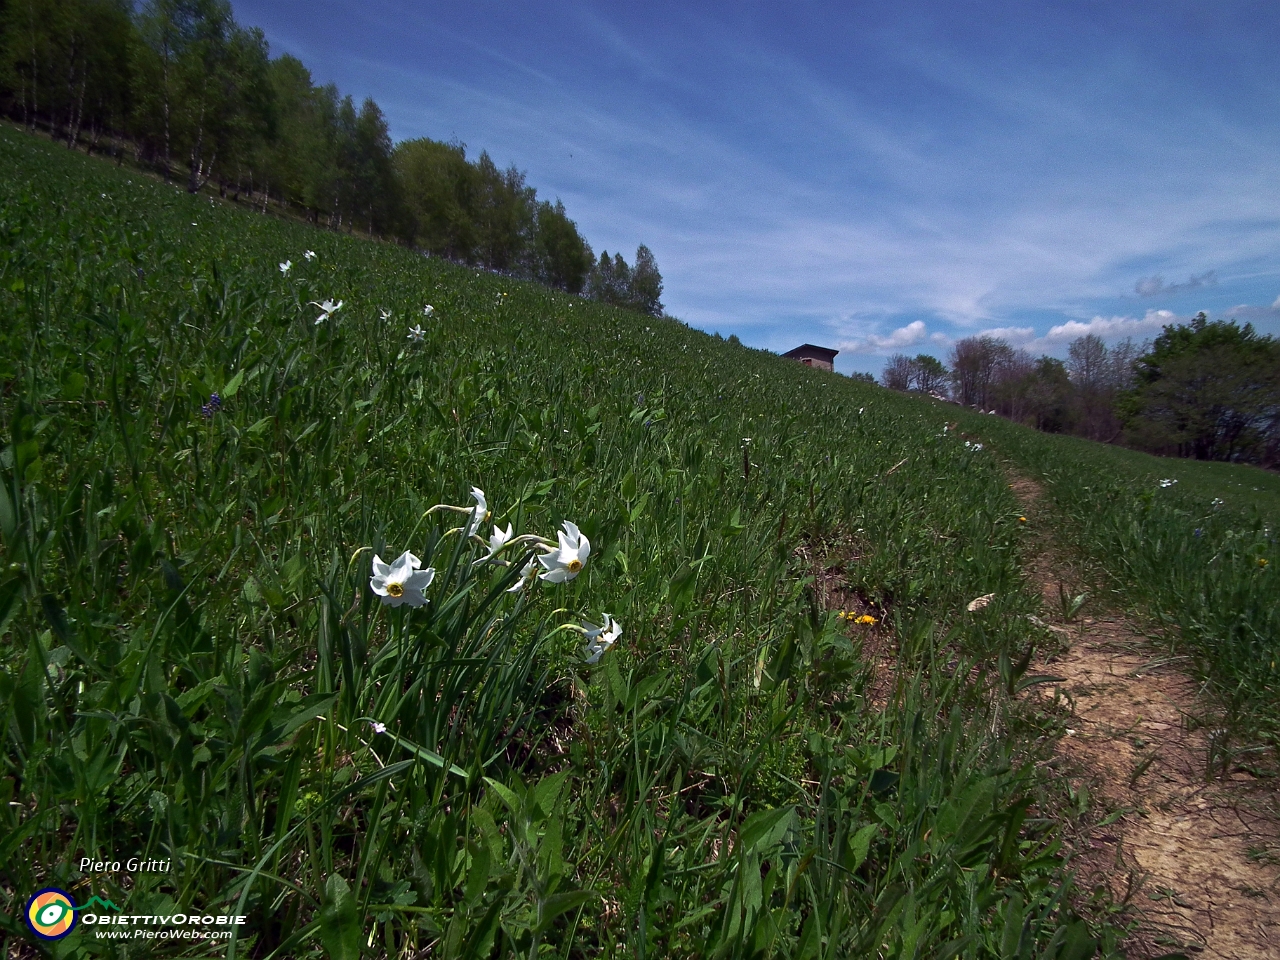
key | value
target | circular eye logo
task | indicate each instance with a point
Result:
(51, 914)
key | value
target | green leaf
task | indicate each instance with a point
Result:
(430, 756)
(233, 385)
(559, 903)
(882, 781)
(763, 829)
(1035, 679)
(10, 600)
(639, 508)
(860, 844)
(1012, 935)
(547, 792)
(8, 515)
(339, 921)
(309, 709)
(506, 793)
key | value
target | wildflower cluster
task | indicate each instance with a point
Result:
(213, 406)
(404, 581)
(854, 617)
(1167, 483)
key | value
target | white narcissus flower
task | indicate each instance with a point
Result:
(601, 638)
(286, 267)
(428, 310)
(566, 561)
(526, 576)
(310, 255)
(327, 309)
(479, 513)
(402, 581)
(416, 333)
(497, 540)
(385, 314)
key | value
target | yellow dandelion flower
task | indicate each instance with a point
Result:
(1262, 561)
(865, 618)
(1022, 519)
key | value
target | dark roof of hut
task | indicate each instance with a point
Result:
(812, 350)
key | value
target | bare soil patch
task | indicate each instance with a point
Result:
(830, 562)
(1193, 849)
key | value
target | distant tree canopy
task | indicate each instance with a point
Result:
(1208, 389)
(614, 281)
(922, 372)
(196, 96)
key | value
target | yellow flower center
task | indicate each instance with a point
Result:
(395, 589)
(574, 565)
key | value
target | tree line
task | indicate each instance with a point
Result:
(184, 89)
(1204, 389)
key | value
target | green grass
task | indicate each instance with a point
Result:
(193, 659)
(1198, 556)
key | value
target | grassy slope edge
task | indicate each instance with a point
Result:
(1191, 545)
(192, 658)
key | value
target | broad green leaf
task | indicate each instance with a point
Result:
(339, 920)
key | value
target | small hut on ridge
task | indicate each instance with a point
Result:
(813, 356)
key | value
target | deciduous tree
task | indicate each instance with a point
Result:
(1209, 390)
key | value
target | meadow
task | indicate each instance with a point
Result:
(802, 744)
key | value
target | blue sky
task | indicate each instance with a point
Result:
(872, 177)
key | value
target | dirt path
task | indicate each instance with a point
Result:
(1197, 857)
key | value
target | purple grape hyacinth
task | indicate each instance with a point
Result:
(212, 407)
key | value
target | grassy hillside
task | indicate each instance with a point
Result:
(195, 667)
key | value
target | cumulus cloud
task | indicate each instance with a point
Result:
(1111, 328)
(903, 337)
(1155, 286)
